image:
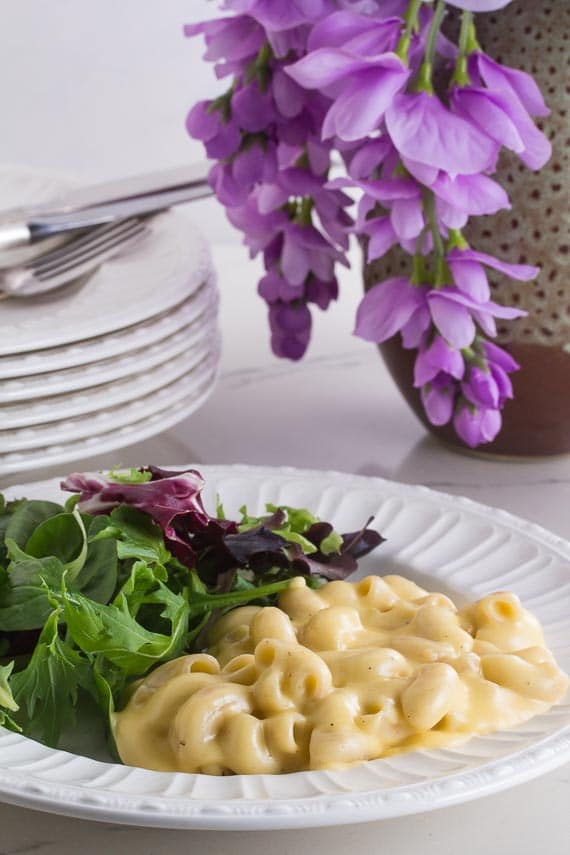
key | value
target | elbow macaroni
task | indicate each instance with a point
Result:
(349, 672)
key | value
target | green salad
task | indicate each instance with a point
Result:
(130, 573)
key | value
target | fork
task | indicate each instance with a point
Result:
(73, 260)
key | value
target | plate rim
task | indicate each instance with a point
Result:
(177, 224)
(316, 810)
(206, 298)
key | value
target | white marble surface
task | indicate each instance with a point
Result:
(121, 110)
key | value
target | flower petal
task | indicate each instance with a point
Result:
(323, 67)
(382, 237)
(361, 106)
(414, 330)
(385, 309)
(452, 320)
(407, 218)
(481, 388)
(295, 262)
(439, 357)
(470, 277)
(474, 194)
(518, 83)
(496, 354)
(368, 157)
(523, 272)
(489, 111)
(477, 426)
(479, 5)
(336, 29)
(438, 403)
(424, 130)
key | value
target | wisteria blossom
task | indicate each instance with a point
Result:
(418, 122)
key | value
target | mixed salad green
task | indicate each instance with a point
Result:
(129, 573)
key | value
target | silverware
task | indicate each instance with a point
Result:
(70, 262)
(103, 203)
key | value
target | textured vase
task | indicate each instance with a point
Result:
(536, 38)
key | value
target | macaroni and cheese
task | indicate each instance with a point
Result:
(338, 675)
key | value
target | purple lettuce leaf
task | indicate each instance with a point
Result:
(168, 498)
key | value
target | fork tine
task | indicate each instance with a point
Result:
(80, 246)
(90, 254)
(23, 282)
(79, 239)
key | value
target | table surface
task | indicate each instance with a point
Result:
(347, 415)
(337, 409)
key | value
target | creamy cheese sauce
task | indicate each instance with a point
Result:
(338, 675)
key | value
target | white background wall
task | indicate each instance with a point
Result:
(100, 87)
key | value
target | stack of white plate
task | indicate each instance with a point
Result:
(113, 360)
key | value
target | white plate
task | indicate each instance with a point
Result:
(115, 438)
(197, 363)
(189, 312)
(144, 281)
(443, 542)
(22, 187)
(42, 411)
(95, 374)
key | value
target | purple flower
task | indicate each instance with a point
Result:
(497, 356)
(476, 426)
(310, 74)
(235, 39)
(386, 308)
(438, 399)
(426, 133)
(500, 364)
(414, 330)
(289, 97)
(502, 117)
(362, 88)
(328, 201)
(290, 329)
(381, 237)
(280, 14)
(363, 162)
(357, 33)
(229, 191)
(321, 293)
(469, 275)
(252, 109)
(481, 388)
(474, 195)
(454, 314)
(305, 250)
(516, 84)
(382, 8)
(480, 5)
(403, 199)
(260, 229)
(438, 357)
(255, 163)
(274, 288)
(221, 138)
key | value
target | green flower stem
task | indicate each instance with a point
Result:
(411, 20)
(304, 215)
(441, 272)
(461, 74)
(456, 240)
(429, 208)
(419, 273)
(424, 83)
